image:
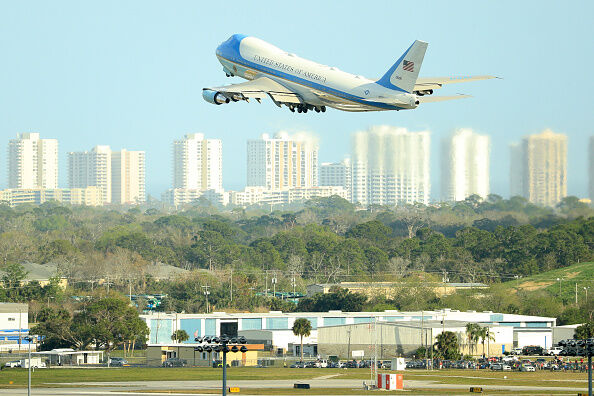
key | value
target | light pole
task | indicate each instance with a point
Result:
(221, 344)
(206, 293)
(29, 340)
(586, 289)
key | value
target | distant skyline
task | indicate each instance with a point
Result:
(129, 75)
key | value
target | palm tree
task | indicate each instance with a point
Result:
(179, 336)
(446, 346)
(472, 333)
(485, 335)
(302, 328)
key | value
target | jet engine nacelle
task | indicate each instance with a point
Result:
(214, 97)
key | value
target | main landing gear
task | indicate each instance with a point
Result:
(303, 108)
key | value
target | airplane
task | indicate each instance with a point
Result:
(303, 85)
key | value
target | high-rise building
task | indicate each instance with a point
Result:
(32, 162)
(543, 167)
(516, 172)
(128, 177)
(591, 170)
(465, 165)
(91, 168)
(336, 174)
(282, 162)
(198, 163)
(390, 166)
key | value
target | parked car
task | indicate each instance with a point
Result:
(516, 351)
(527, 367)
(13, 363)
(175, 362)
(497, 366)
(506, 367)
(118, 362)
(533, 350)
(554, 351)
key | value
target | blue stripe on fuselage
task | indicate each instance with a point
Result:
(229, 51)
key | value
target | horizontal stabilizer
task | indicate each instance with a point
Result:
(426, 83)
(431, 99)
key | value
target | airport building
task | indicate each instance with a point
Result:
(330, 330)
(390, 166)
(465, 165)
(91, 168)
(32, 162)
(541, 160)
(282, 162)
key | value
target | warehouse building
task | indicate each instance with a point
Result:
(274, 328)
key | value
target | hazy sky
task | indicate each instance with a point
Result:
(129, 74)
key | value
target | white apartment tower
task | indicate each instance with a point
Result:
(390, 166)
(32, 162)
(541, 160)
(282, 162)
(336, 174)
(91, 168)
(465, 165)
(128, 177)
(198, 163)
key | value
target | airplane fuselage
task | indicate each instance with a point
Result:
(318, 85)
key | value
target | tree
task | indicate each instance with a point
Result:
(113, 321)
(473, 331)
(446, 346)
(302, 328)
(180, 336)
(485, 335)
(584, 331)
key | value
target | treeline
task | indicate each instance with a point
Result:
(327, 240)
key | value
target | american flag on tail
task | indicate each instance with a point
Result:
(408, 65)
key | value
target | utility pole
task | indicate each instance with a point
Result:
(231, 284)
(274, 284)
(576, 294)
(206, 293)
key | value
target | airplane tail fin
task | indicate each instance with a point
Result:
(402, 76)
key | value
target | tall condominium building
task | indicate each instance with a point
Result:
(591, 167)
(465, 165)
(543, 167)
(32, 162)
(128, 177)
(336, 174)
(282, 161)
(91, 168)
(516, 175)
(198, 163)
(390, 166)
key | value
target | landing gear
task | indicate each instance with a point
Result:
(303, 108)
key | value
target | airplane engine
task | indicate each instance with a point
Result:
(424, 92)
(214, 97)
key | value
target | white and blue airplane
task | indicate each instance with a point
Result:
(303, 85)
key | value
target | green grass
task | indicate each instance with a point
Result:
(54, 377)
(582, 274)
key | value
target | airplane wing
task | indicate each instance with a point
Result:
(258, 88)
(427, 83)
(431, 99)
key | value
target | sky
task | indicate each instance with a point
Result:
(129, 74)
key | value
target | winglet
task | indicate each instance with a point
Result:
(403, 74)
